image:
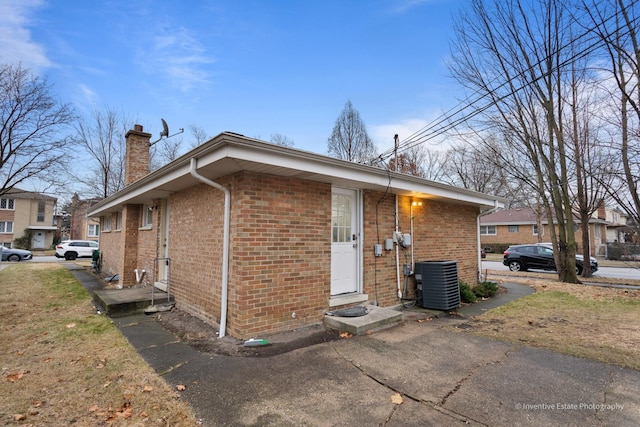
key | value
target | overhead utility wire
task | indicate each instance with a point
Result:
(421, 136)
(437, 132)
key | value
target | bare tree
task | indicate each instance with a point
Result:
(514, 55)
(283, 140)
(414, 161)
(103, 136)
(165, 151)
(615, 24)
(349, 139)
(199, 136)
(32, 126)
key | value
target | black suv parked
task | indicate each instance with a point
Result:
(538, 256)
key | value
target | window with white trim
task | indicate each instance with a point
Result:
(93, 230)
(488, 230)
(513, 229)
(106, 223)
(6, 226)
(7, 204)
(535, 230)
(41, 210)
(147, 216)
(118, 221)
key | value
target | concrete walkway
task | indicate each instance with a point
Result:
(420, 373)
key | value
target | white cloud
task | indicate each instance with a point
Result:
(15, 37)
(410, 128)
(89, 95)
(180, 57)
(405, 5)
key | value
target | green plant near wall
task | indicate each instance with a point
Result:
(24, 242)
(466, 294)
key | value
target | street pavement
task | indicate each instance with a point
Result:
(421, 373)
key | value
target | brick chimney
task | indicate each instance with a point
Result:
(602, 212)
(136, 164)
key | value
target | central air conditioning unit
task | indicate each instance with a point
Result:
(437, 284)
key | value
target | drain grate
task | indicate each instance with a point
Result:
(350, 312)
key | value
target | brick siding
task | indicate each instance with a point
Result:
(280, 254)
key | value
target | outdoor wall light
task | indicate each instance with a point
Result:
(414, 203)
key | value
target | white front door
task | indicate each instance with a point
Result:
(344, 241)
(38, 240)
(163, 251)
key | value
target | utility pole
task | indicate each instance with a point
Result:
(395, 149)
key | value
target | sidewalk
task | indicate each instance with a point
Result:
(419, 373)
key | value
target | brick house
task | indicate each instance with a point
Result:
(260, 238)
(22, 210)
(82, 226)
(524, 225)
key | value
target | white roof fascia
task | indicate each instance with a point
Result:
(242, 150)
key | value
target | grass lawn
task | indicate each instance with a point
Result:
(593, 322)
(63, 364)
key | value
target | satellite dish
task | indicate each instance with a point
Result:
(165, 129)
(165, 132)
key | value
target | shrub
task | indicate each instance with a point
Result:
(466, 294)
(485, 289)
(24, 242)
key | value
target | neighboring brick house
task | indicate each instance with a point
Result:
(524, 225)
(81, 226)
(22, 210)
(260, 238)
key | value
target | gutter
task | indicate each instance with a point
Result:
(225, 244)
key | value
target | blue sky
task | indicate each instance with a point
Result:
(253, 67)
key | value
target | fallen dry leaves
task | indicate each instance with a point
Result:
(397, 399)
(65, 365)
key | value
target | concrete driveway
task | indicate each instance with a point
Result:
(422, 373)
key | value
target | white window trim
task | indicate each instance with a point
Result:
(535, 233)
(93, 230)
(146, 221)
(106, 223)
(484, 230)
(118, 226)
(7, 202)
(4, 229)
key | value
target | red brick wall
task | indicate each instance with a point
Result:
(8, 215)
(110, 248)
(379, 280)
(137, 155)
(195, 249)
(280, 255)
(445, 231)
(436, 237)
(279, 259)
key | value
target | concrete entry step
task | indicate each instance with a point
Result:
(127, 301)
(377, 318)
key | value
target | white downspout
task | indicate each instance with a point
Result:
(395, 238)
(225, 243)
(479, 246)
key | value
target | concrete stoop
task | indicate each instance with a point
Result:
(377, 318)
(127, 301)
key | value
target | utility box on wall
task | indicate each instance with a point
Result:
(439, 283)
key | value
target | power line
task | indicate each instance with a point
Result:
(437, 126)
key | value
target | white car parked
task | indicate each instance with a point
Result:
(72, 249)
